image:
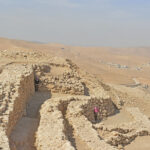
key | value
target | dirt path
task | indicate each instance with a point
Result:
(22, 137)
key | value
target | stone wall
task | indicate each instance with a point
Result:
(51, 130)
(83, 129)
(16, 87)
(105, 106)
(59, 78)
(4, 142)
(25, 91)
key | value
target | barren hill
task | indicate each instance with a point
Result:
(57, 113)
(112, 65)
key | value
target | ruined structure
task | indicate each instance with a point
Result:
(59, 116)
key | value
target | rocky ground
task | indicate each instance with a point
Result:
(59, 116)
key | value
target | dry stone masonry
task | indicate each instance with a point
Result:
(59, 78)
(15, 89)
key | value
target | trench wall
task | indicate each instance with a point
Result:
(51, 130)
(16, 88)
(24, 92)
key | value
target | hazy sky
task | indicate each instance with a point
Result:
(77, 22)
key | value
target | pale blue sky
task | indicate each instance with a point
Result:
(116, 23)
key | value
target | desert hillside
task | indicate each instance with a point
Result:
(56, 113)
(112, 65)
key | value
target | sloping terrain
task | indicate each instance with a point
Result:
(112, 65)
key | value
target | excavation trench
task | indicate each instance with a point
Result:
(23, 135)
(68, 128)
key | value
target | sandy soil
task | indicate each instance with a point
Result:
(140, 143)
(89, 59)
(121, 117)
(22, 136)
